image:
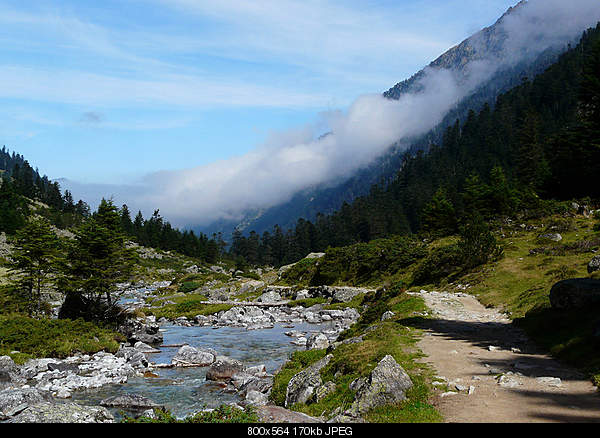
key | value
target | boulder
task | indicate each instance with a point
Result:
(594, 265)
(269, 297)
(317, 341)
(14, 401)
(554, 237)
(277, 414)
(130, 401)
(47, 412)
(188, 355)
(303, 386)
(386, 384)
(575, 293)
(224, 369)
(9, 373)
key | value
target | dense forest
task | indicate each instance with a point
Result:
(20, 184)
(537, 142)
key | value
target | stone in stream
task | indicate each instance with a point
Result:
(130, 401)
(188, 355)
(224, 369)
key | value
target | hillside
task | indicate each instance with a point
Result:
(490, 45)
(533, 145)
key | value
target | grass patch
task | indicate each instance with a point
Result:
(58, 338)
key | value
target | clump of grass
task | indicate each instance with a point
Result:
(58, 338)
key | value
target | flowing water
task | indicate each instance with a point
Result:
(185, 390)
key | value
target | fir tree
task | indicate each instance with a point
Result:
(35, 261)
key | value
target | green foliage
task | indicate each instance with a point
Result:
(439, 215)
(359, 264)
(97, 259)
(223, 414)
(53, 337)
(34, 261)
(188, 307)
(477, 245)
(442, 263)
(13, 207)
(188, 286)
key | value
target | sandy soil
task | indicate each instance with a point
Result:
(489, 372)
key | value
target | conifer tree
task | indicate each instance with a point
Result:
(98, 258)
(35, 261)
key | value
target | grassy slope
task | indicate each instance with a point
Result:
(519, 283)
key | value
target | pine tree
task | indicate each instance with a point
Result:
(439, 216)
(35, 261)
(98, 258)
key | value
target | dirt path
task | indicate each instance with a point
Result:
(490, 373)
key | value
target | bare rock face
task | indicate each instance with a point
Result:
(14, 401)
(575, 293)
(9, 373)
(387, 384)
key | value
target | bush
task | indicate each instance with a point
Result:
(443, 262)
(367, 263)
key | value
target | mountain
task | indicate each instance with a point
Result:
(488, 63)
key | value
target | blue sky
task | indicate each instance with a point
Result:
(107, 92)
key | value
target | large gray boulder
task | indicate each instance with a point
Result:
(14, 401)
(303, 386)
(387, 384)
(224, 369)
(575, 293)
(47, 412)
(9, 373)
(317, 341)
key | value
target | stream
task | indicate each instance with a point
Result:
(185, 390)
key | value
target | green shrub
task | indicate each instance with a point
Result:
(443, 262)
(365, 263)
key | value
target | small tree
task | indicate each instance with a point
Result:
(35, 260)
(439, 216)
(477, 245)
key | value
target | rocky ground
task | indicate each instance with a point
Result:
(489, 372)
